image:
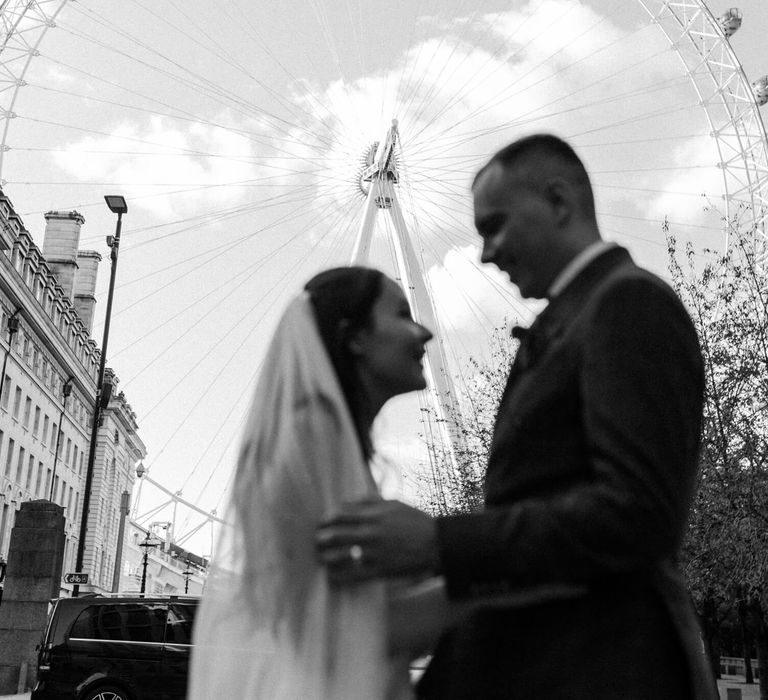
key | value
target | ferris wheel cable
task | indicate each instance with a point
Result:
(428, 96)
(293, 215)
(650, 190)
(473, 80)
(502, 97)
(182, 114)
(203, 84)
(254, 138)
(624, 234)
(503, 291)
(489, 58)
(251, 270)
(251, 160)
(232, 62)
(209, 39)
(212, 383)
(475, 309)
(254, 34)
(282, 282)
(488, 26)
(235, 430)
(325, 30)
(442, 227)
(265, 181)
(195, 222)
(121, 137)
(462, 139)
(195, 303)
(225, 421)
(478, 133)
(681, 224)
(225, 247)
(632, 120)
(217, 216)
(358, 28)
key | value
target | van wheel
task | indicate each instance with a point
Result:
(106, 692)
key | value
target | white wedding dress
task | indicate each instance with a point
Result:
(270, 627)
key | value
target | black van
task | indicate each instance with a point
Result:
(116, 648)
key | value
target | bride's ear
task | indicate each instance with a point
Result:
(353, 340)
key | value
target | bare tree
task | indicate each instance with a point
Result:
(726, 551)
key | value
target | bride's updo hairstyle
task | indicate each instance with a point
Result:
(342, 300)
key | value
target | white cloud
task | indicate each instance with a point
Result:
(157, 154)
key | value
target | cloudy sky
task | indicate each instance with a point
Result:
(236, 131)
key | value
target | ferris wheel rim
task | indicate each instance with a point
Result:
(755, 169)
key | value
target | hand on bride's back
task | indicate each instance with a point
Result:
(377, 539)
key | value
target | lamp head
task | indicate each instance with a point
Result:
(116, 203)
(140, 469)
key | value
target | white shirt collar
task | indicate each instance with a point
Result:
(577, 264)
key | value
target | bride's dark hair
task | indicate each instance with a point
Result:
(342, 299)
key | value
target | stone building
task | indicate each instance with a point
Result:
(48, 386)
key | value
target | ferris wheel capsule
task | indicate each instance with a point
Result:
(760, 86)
(730, 21)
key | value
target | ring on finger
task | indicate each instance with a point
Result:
(356, 554)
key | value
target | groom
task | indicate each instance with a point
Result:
(590, 477)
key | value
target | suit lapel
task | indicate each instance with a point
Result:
(555, 319)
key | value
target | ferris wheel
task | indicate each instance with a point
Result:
(247, 147)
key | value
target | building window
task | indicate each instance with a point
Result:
(67, 453)
(27, 412)
(54, 436)
(44, 437)
(117, 438)
(30, 469)
(9, 457)
(17, 403)
(48, 481)
(20, 465)
(39, 481)
(36, 424)
(6, 392)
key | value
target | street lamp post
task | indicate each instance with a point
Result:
(186, 574)
(66, 390)
(145, 560)
(117, 206)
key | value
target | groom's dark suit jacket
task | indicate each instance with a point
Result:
(590, 477)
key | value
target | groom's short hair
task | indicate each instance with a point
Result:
(539, 156)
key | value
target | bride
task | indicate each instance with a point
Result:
(270, 625)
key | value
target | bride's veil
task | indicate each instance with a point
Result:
(270, 626)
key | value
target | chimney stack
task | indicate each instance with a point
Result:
(85, 285)
(62, 237)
